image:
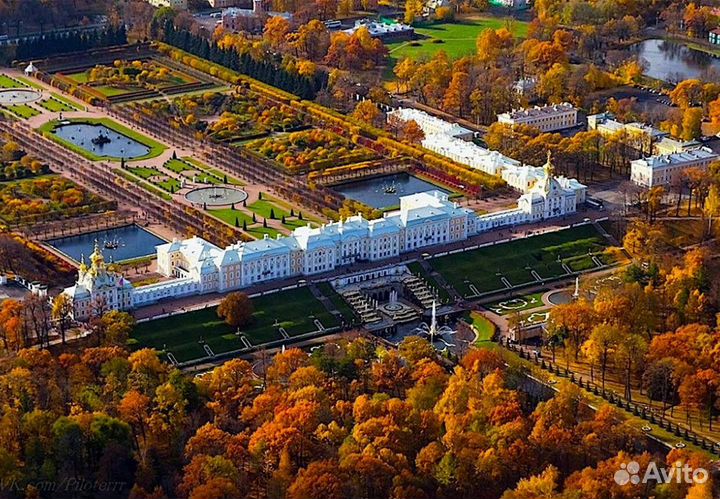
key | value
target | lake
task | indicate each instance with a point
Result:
(119, 244)
(101, 140)
(384, 192)
(673, 61)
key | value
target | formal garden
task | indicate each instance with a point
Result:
(44, 198)
(57, 104)
(264, 215)
(310, 150)
(16, 164)
(524, 261)
(123, 80)
(225, 117)
(185, 335)
(516, 304)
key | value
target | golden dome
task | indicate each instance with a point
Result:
(97, 259)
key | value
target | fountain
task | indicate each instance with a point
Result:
(576, 294)
(389, 188)
(112, 244)
(101, 140)
(392, 304)
(216, 195)
(433, 330)
(385, 191)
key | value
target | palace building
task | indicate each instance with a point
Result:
(97, 289)
(666, 169)
(453, 141)
(195, 266)
(546, 118)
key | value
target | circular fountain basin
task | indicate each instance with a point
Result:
(14, 96)
(216, 196)
(560, 297)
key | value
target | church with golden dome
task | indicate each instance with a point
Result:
(98, 289)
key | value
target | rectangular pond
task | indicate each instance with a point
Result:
(101, 141)
(118, 244)
(385, 192)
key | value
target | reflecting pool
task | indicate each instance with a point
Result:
(118, 244)
(100, 140)
(385, 192)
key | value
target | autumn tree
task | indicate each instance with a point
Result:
(367, 111)
(692, 123)
(236, 309)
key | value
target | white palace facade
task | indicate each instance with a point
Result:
(195, 266)
(449, 140)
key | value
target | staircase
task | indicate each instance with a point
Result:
(362, 307)
(407, 314)
(420, 291)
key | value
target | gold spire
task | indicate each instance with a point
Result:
(549, 167)
(83, 265)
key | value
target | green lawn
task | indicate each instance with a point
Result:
(217, 173)
(81, 77)
(7, 82)
(55, 106)
(110, 91)
(228, 215)
(156, 148)
(338, 302)
(23, 110)
(107, 90)
(263, 207)
(29, 83)
(457, 39)
(170, 185)
(259, 232)
(516, 304)
(485, 267)
(256, 230)
(65, 101)
(294, 310)
(148, 187)
(142, 171)
(177, 165)
(484, 328)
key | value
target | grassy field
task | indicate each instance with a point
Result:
(516, 304)
(229, 216)
(142, 172)
(55, 106)
(156, 148)
(293, 310)
(515, 260)
(177, 166)
(65, 101)
(337, 301)
(456, 39)
(23, 110)
(484, 328)
(198, 165)
(7, 82)
(81, 77)
(30, 83)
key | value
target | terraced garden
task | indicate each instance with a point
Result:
(184, 335)
(487, 269)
